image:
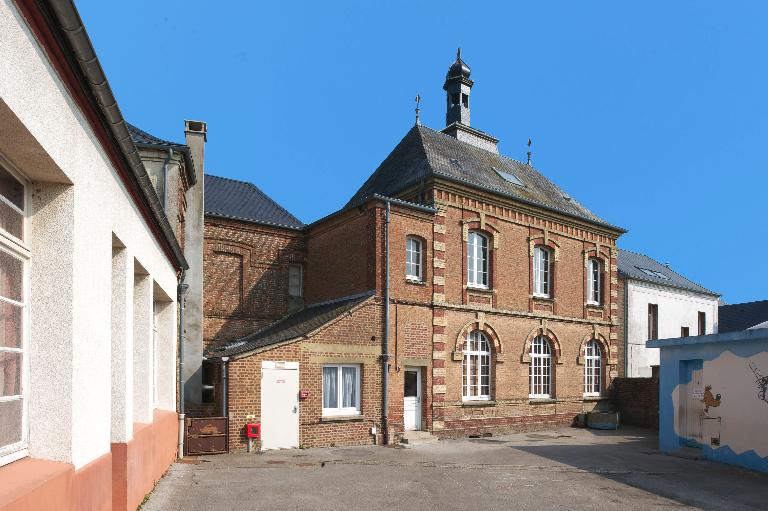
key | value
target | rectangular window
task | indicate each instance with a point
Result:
(653, 321)
(702, 323)
(684, 331)
(341, 389)
(295, 283)
(13, 309)
(208, 382)
(477, 260)
(541, 272)
(413, 259)
(594, 282)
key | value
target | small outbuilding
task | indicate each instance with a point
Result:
(713, 396)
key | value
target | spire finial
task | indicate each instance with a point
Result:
(529, 152)
(418, 110)
(458, 53)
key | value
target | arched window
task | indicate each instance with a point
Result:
(593, 369)
(595, 281)
(541, 368)
(477, 260)
(413, 266)
(542, 272)
(476, 367)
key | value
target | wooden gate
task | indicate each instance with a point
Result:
(206, 435)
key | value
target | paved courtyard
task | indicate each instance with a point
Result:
(562, 469)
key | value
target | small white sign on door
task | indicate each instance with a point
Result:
(698, 393)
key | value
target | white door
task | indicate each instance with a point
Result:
(279, 405)
(691, 403)
(412, 399)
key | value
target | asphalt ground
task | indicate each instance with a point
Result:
(562, 469)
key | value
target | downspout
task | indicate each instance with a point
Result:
(626, 319)
(182, 292)
(385, 341)
(225, 384)
(168, 158)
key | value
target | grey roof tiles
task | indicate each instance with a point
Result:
(641, 267)
(741, 316)
(424, 153)
(291, 327)
(238, 200)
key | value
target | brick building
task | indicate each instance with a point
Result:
(458, 292)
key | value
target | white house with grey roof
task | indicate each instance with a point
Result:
(659, 303)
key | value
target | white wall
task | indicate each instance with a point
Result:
(71, 233)
(677, 308)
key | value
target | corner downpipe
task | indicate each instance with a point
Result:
(385, 342)
(181, 291)
(225, 384)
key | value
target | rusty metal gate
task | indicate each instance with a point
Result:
(206, 435)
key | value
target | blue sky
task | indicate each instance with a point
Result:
(652, 114)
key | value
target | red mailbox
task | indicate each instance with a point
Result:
(253, 430)
(303, 394)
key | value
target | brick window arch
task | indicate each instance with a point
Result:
(476, 367)
(541, 370)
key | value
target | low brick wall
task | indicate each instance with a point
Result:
(637, 400)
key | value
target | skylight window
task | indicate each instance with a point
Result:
(508, 176)
(653, 273)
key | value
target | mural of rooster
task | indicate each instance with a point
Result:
(710, 399)
(761, 382)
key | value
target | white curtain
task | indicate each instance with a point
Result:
(348, 376)
(330, 387)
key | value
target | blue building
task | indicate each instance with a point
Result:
(712, 396)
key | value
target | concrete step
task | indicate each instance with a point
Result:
(418, 438)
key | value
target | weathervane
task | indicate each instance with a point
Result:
(529, 152)
(418, 110)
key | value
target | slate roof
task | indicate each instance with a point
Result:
(239, 200)
(631, 266)
(141, 137)
(741, 316)
(424, 153)
(292, 327)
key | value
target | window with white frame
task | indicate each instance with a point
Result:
(476, 367)
(295, 280)
(14, 256)
(413, 266)
(593, 369)
(541, 368)
(541, 272)
(341, 389)
(477, 260)
(595, 281)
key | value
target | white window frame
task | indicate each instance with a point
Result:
(541, 358)
(542, 272)
(414, 258)
(353, 410)
(301, 280)
(19, 248)
(593, 369)
(595, 281)
(476, 348)
(477, 255)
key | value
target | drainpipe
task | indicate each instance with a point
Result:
(181, 291)
(626, 330)
(225, 384)
(385, 343)
(165, 177)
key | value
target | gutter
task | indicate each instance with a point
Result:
(64, 22)
(181, 291)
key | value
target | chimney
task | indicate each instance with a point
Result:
(195, 134)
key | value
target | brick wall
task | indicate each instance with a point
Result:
(245, 275)
(637, 400)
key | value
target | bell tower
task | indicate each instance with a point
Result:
(457, 87)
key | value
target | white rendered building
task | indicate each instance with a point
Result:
(659, 303)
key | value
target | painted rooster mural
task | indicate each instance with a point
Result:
(710, 399)
(761, 382)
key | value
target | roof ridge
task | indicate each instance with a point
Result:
(150, 135)
(744, 303)
(672, 271)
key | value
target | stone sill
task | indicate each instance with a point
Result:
(542, 401)
(341, 418)
(544, 298)
(481, 290)
(594, 398)
(478, 403)
(416, 282)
